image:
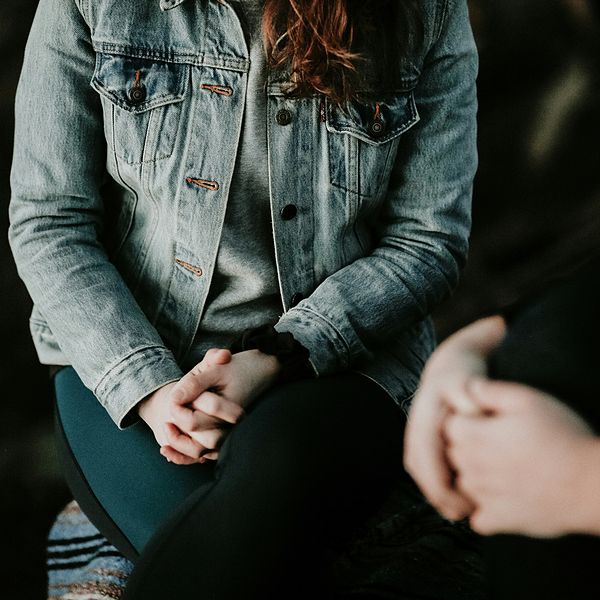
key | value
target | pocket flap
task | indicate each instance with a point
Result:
(139, 84)
(374, 122)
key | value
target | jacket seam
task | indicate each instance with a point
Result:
(84, 10)
(443, 18)
(173, 55)
(117, 367)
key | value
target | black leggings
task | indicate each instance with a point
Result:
(308, 464)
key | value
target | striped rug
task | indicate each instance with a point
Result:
(82, 565)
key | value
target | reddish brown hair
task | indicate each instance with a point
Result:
(320, 40)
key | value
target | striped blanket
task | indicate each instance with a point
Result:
(406, 551)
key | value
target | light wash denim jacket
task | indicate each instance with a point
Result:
(128, 118)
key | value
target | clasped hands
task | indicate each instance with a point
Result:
(191, 417)
(509, 457)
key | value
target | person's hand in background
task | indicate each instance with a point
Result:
(530, 464)
(457, 360)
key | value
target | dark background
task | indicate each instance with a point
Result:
(536, 210)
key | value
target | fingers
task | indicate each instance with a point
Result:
(176, 457)
(488, 522)
(219, 407)
(482, 335)
(480, 396)
(203, 376)
(193, 383)
(464, 435)
(493, 396)
(460, 400)
(191, 392)
(209, 439)
(442, 493)
(209, 411)
(426, 462)
(181, 442)
(180, 459)
(468, 453)
(190, 420)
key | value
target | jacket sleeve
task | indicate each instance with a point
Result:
(424, 226)
(56, 215)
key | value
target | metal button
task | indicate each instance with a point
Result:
(288, 212)
(296, 298)
(377, 127)
(137, 94)
(283, 117)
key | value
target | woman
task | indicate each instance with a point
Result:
(299, 173)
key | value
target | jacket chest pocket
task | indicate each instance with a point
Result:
(363, 139)
(142, 102)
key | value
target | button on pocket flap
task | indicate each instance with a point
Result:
(374, 122)
(137, 84)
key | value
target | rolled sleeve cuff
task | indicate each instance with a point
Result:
(142, 372)
(329, 351)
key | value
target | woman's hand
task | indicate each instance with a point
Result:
(212, 387)
(156, 410)
(528, 462)
(457, 360)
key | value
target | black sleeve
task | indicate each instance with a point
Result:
(552, 342)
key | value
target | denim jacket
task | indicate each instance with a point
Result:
(128, 118)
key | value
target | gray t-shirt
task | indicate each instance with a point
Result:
(244, 289)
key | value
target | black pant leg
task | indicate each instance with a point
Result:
(307, 464)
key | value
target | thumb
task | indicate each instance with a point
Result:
(193, 383)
